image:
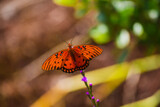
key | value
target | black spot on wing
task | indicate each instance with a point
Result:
(56, 55)
(84, 47)
(51, 67)
(84, 66)
(54, 67)
(76, 68)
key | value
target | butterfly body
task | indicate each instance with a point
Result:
(72, 59)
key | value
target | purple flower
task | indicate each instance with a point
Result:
(81, 71)
(87, 93)
(84, 79)
(92, 97)
(97, 100)
(90, 84)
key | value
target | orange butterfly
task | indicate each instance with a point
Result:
(72, 59)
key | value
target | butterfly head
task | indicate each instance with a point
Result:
(70, 46)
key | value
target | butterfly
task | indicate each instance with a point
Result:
(72, 59)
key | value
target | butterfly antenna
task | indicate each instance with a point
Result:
(66, 42)
(77, 33)
(62, 40)
(72, 39)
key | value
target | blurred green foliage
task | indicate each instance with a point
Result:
(123, 19)
(100, 34)
(66, 2)
(152, 101)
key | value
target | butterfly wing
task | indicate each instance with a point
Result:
(88, 51)
(81, 61)
(74, 61)
(55, 61)
(68, 65)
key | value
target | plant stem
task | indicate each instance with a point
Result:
(90, 91)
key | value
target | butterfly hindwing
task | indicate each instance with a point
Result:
(68, 65)
(81, 61)
(74, 62)
(55, 61)
(89, 51)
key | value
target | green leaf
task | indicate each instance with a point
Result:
(68, 3)
(123, 39)
(100, 34)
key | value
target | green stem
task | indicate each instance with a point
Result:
(89, 90)
(97, 104)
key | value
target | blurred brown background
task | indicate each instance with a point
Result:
(31, 31)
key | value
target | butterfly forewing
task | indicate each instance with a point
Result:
(55, 61)
(89, 51)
